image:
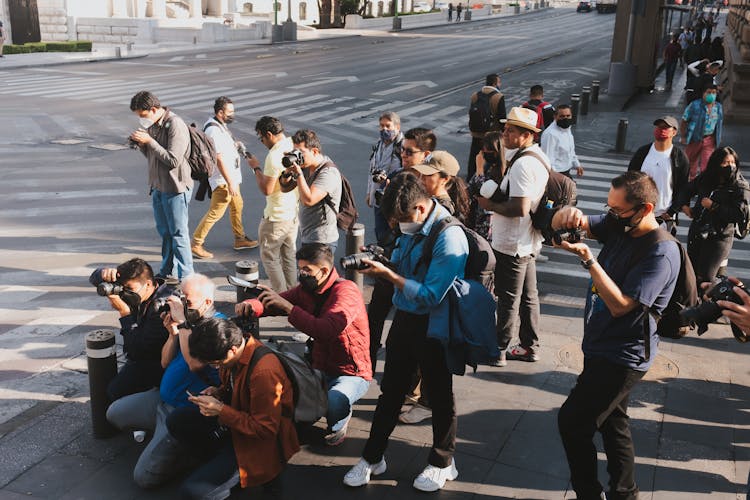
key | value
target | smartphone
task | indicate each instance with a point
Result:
(190, 394)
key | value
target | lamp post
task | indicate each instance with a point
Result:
(290, 27)
(396, 19)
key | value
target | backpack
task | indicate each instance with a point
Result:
(347, 214)
(480, 265)
(308, 384)
(539, 115)
(202, 159)
(481, 117)
(685, 294)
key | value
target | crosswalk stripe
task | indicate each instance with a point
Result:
(258, 109)
(44, 86)
(448, 110)
(7, 231)
(126, 92)
(58, 89)
(606, 160)
(89, 92)
(322, 114)
(379, 107)
(209, 95)
(414, 109)
(39, 81)
(236, 99)
(347, 132)
(66, 210)
(53, 183)
(295, 111)
(68, 195)
(270, 96)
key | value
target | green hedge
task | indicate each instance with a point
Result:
(71, 46)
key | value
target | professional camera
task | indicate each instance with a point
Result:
(242, 150)
(132, 144)
(570, 235)
(709, 311)
(292, 157)
(706, 231)
(372, 252)
(379, 176)
(161, 304)
(378, 196)
(106, 288)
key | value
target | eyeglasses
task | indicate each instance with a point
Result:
(611, 211)
(410, 152)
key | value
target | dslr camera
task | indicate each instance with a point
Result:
(161, 304)
(372, 252)
(379, 176)
(709, 311)
(104, 288)
(566, 234)
(291, 158)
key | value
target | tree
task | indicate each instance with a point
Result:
(324, 8)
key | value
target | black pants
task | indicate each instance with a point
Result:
(134, 377)
(476, 147)
(706, 255)
(517, 299)
(599, 401)
(407, 349)
(380, 305)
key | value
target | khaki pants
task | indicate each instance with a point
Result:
(220, 200)
(277, 248)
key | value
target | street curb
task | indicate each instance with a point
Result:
(77, 61)
(453, 23)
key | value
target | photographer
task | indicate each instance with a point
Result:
(331, 311)
(623, 295)
(738, 314)
(418, 291)
(723, 198)
(132, 292)
(318, 182)
(385, 161)
(490, 165)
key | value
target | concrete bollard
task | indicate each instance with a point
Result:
(585, 96)
(101, 357)
(396, 24)
(595, 84)
(575, 104)
(118, 52)
(355, 239)
(622, 135)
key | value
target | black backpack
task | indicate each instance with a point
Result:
(480, 265)
(203, 160)
(347, 214)
(481, 117)
(685, 292)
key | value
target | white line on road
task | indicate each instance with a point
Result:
(68, 195)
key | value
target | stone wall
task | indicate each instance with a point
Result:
(53, 21)
(110, 31)
(736, 93)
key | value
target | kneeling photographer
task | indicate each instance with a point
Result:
(633, 278)
(133, 292)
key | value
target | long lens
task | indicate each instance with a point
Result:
(701, 315)
(354, 261)
(106, 288)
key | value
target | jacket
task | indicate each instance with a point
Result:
(680, 171)
(731, 204)
(167, 154)
(497, 106)
(143, 332)
(695, 116)
(340, 329)
(259, 417)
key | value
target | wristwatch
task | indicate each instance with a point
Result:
(588, 263)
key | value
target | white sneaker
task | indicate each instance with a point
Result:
(359, 475)
(415, 414)
(433, 478)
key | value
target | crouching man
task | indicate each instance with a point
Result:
(331, 311)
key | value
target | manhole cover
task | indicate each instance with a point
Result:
(662, 369)
(69, 142)
(109, 146)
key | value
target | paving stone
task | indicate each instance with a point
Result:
(54, 476)
(507, 481)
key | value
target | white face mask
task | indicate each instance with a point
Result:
(145, 122)
(410, 227)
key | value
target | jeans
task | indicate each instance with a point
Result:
(407, 349)
(135, 411)
(278, 244)
(670, 67)
(515, 286)
(343, 392)
(214, 479)
(171, 216)
(599, 401)
(135, 377)
(707, 255)
(220, 200)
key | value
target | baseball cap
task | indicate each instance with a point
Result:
(439, 161)
(669, 120)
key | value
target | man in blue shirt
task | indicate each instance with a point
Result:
(614, 338)
(418, 291)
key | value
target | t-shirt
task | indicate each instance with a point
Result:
(658, 165)
(224, 143)
(178, 378)
(279, 206)
(650, 282)
(515, 236)
(317, 224)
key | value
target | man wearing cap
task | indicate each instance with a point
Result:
(667, 164)
(514, 239)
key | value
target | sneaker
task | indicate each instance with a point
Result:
(542, 258)
(433, 478)
(521, 353)
(336, 438)
(359, 475)
(245, 243)
(501, 361)
(200, 253)
(415, 414)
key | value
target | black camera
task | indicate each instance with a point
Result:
(706, 231)
(379, 176)
(570, 235)
(292, 157)
(372, 252)
(161, 304)
(378, 196)
(106, 288)
(709, 311)
(132, 144)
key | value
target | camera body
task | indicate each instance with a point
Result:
(573, 235)
(379, 176)
(132, 144)
(161, 304)
(709, 311)
(293, 157)
(372, 252)
(706, 231)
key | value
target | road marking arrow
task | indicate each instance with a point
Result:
(406, 86)
(325, 81)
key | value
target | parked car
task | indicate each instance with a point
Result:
(422, 7)
(584, 7)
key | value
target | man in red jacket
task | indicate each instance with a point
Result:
(331, 311)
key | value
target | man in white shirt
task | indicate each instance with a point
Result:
(559, 145)
(225, 182)
(515, 241)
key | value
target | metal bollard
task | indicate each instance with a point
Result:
(575, 101)
(622, 134)
(102, 366)
(248, 270)
(118, 52)
(355, 239)
(595, 91)
(585, 96)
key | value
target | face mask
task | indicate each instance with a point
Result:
(564, 122)
(145, 122)
(410, 227)
(192, 316)
(710, 98)
(661, 134)
(228, 119)
(132, 299)
(621, 224)
(308, 282)
(387, 135)
(726, 173)
(490, 158)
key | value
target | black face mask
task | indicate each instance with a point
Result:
(564, 122)
(308, 282)
(726, 173)
(132, 299)
(621, 224)
(192, 316)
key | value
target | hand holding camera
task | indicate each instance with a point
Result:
(359, 261)
(726, 294)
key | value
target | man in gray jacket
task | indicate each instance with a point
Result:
(165, 141)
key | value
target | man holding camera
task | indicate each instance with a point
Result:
(622, 296)
(385, 161)
(331, 311)
(164, 140)
(277, 231)
(225, 181)
(183, 374)
(133, 293)
(419, 290)
(318, 183)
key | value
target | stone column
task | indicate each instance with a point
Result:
(196, 9)
(159, 9)
(119, 8)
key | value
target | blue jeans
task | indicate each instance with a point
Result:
(343, 392)
(171, 216)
